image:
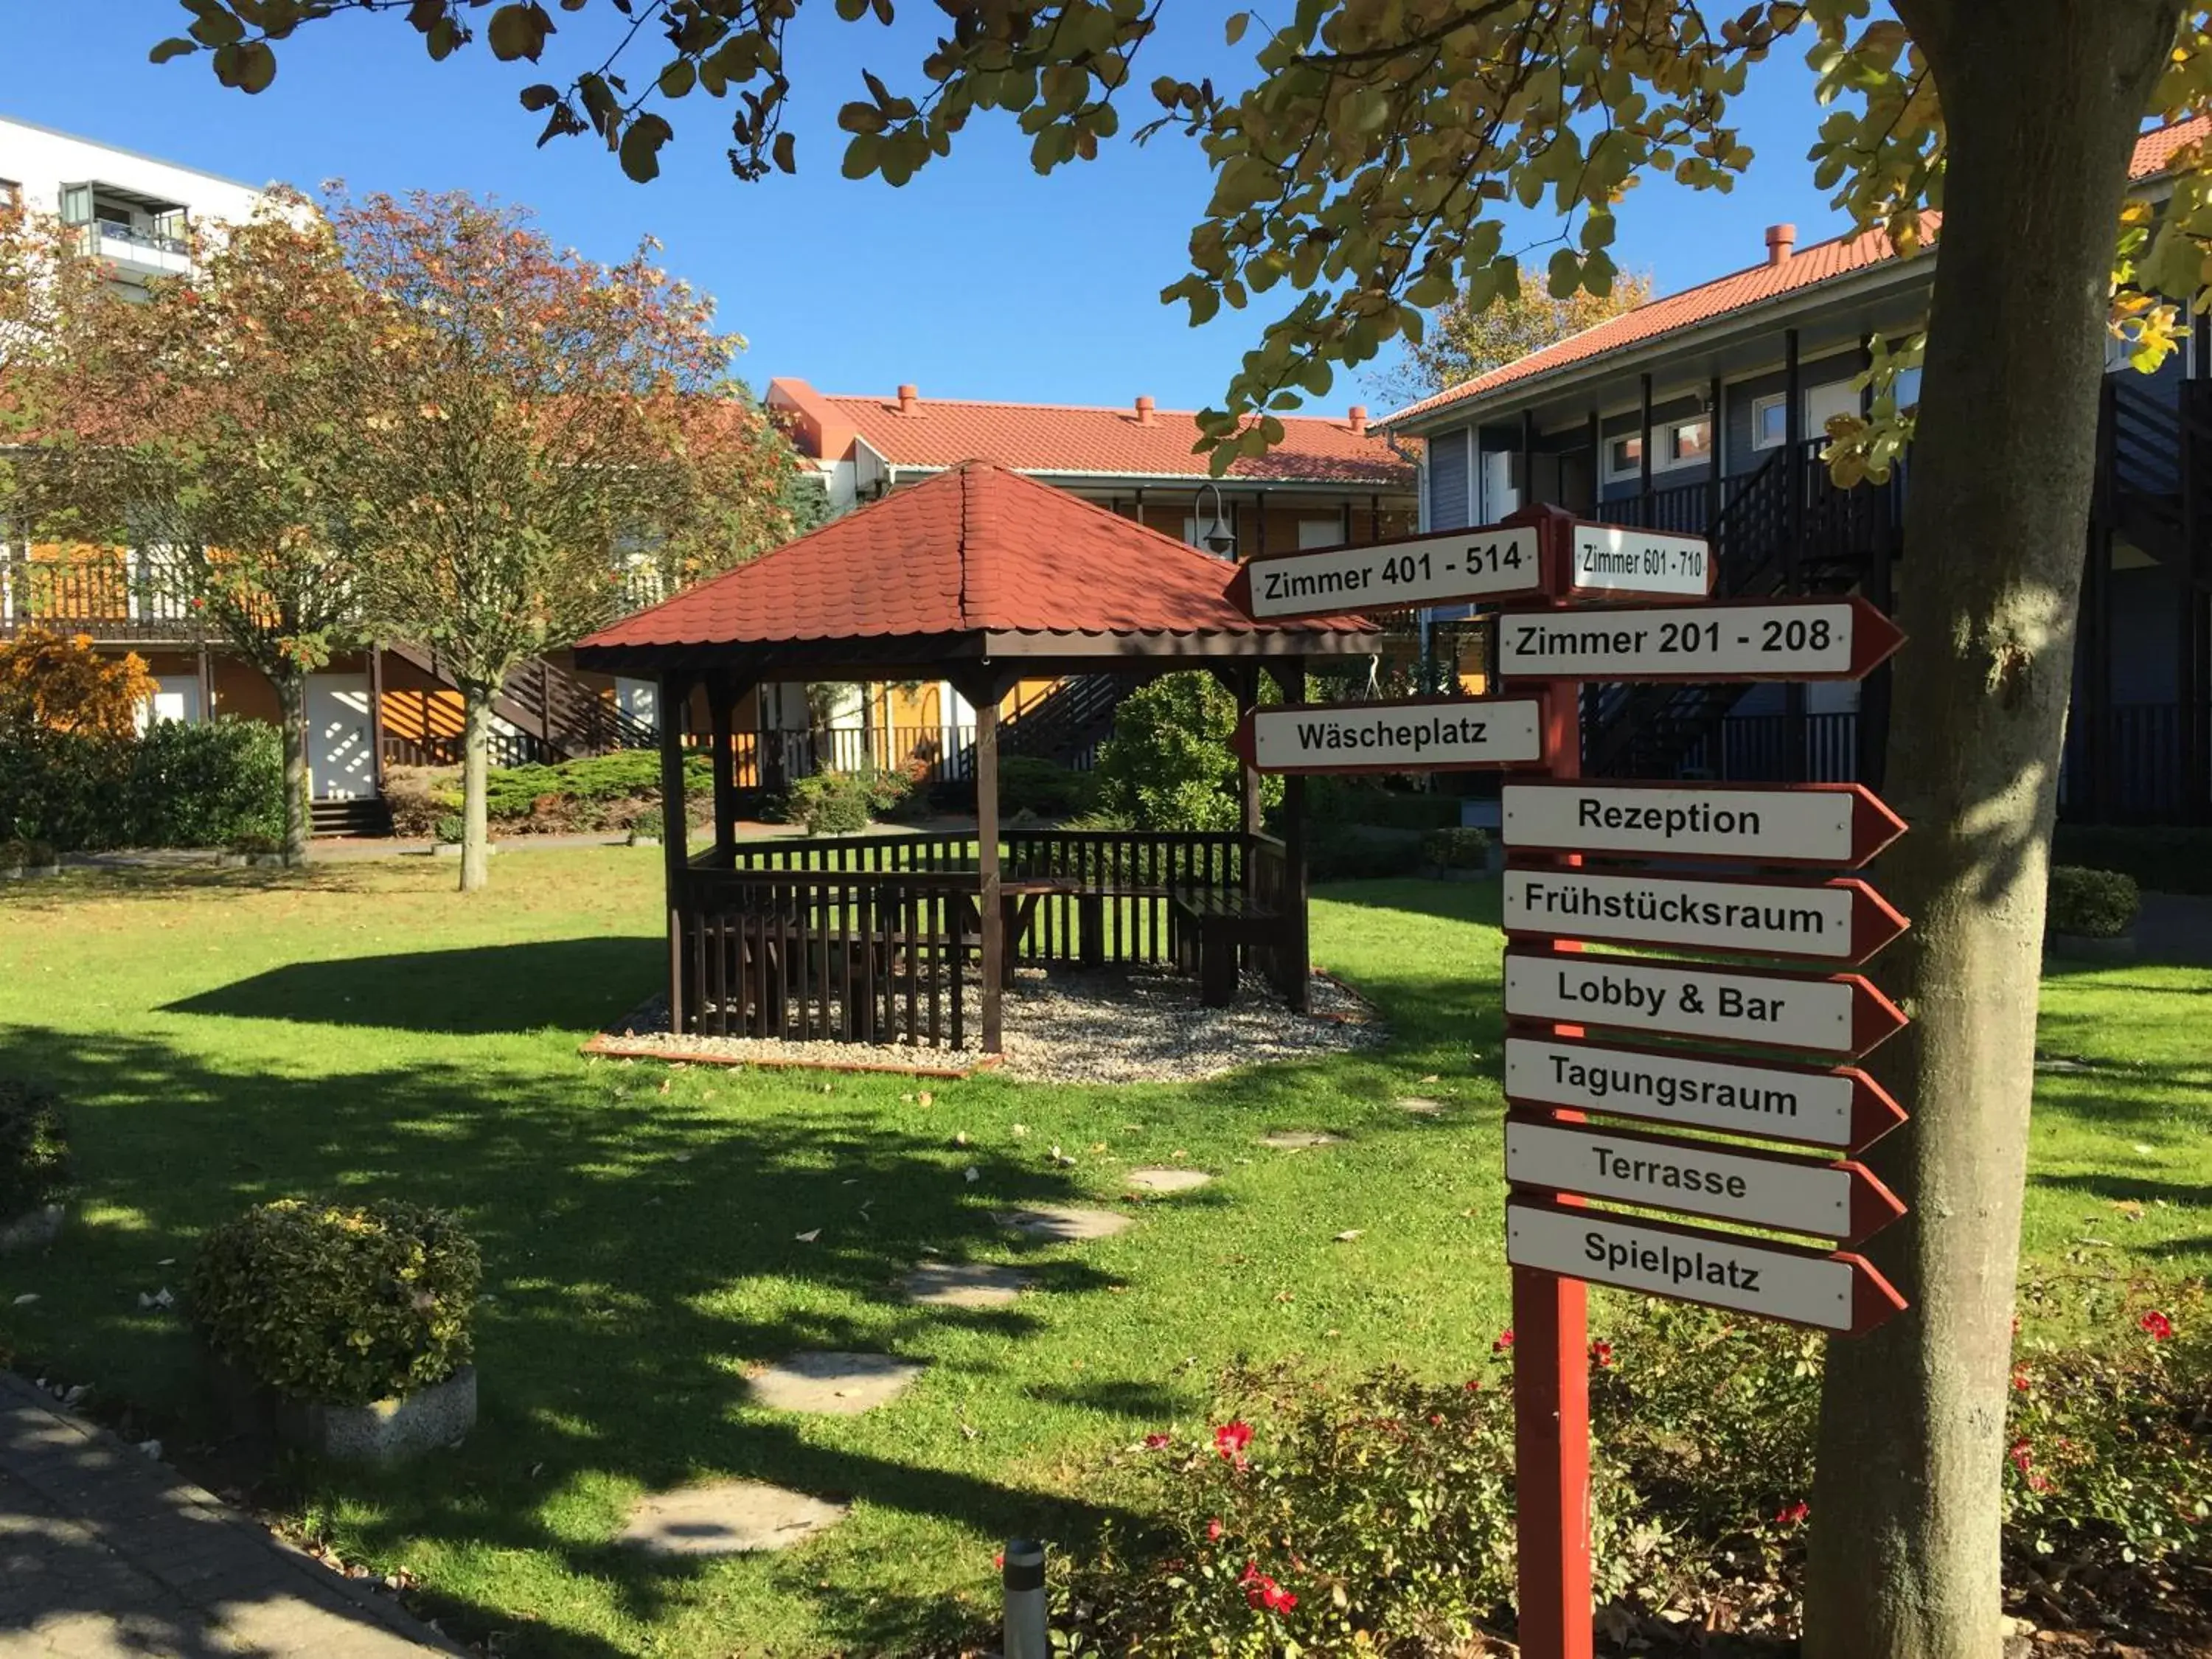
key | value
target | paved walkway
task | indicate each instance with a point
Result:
(105, 1552)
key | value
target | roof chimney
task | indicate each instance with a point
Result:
(1357, 415)
(1145, 412)
(1780, 239)
(910, 396)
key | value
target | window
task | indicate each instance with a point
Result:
(11, 195)
(1769, 414)
(1690, 440)
(1769, 421)
(1625, 455)
(1322, 532)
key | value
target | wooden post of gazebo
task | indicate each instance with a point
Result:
(1290, 673)
(982, 692)
(671, 693)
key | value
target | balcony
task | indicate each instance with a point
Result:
(113, 594)
(134, 251)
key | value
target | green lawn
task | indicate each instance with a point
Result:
(225, 1039)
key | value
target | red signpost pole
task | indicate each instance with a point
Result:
(1550, 1313)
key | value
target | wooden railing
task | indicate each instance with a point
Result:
(108, 592)
(868, 939)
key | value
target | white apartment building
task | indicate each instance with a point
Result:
(137, 212)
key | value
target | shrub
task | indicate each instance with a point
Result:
(1353, 800)
(72, 788)
(1168, 766)
(1029, 784)
(838, 803)
(2091, 903)
(49, 683)
(451, 830)
(1338, 851)
(33, 1149)
(255, 842)
(2162, 858)
(418, 796)
(649, 822)
(206, 784)
(335, 1302)
(1456, 848)
(15, 854)
(40, 854)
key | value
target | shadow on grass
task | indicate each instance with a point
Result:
(564, 983)
(633, 1243)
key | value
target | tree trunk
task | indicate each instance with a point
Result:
(291, 731)
(2042, 100)
(475, 746)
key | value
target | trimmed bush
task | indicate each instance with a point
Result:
(1341, 852)
(649, 822)
(178, 785)
(1028, 783)
(418, 796)
(1168, 766)
(339, 1303)
(1456, 848)
(451, 830)
(1351, 800)
(838, 803)
(2091, 903)
(35, 1164)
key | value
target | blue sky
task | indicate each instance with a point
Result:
(977, 280)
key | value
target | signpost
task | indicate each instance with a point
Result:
(1563, 1158)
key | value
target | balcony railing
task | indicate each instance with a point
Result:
(108, 592)
(132, 248)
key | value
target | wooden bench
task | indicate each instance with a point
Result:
(1207, 926)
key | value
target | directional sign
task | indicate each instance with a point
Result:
(1835, 1292)
(1417, 734)
(1752, 640)
(1842, 1014)
(1609, 559)
(1702, 1178)
(1839, 825)
(1491, 561)
(1844, 1108)
(1842, 922)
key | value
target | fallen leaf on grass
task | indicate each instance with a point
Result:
(973, 1174)
(1347, 1235)
(925, 1099)
(26, 1299)
(2128, 1207)
(1433, 1077)
(808, 1237)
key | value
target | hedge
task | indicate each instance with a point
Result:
(2091, 903)
(210, 784)
(2162, 859)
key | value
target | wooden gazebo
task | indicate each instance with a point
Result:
(982, 577)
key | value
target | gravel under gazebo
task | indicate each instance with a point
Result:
(982, 577)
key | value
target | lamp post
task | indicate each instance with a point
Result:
(1218, 537)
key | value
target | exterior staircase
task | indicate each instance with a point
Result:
(1067, 723)
(558, 715)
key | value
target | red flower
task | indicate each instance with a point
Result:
(1472, 1385)
(1504, 1340)
(2157, 1324)
(1601, 1354)
(1154, 1441)
(1262, 1591)
(2023, 1457)
(1214, 1529)
(1230, 1440)
(1435, 1419)
(2020, 1380)
(999, 1560)
(1792, 1515)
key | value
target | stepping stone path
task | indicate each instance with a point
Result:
(730, 1517)
(1168, 1181)
(1298, 1141)
(1419, 1106)
(1066, 1223)
(833, 1384)
(963, 1285)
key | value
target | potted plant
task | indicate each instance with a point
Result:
(342, 1328)
(40, 859)
(1459, 852)
(252, 848)
(448, 831)
(645, 827)
(33, 1166)
(2090, 915)
(12, 855)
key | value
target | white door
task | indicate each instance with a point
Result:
(1499, 496)
(340, 766)
(176, 697)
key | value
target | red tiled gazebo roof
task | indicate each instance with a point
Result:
(979, 560)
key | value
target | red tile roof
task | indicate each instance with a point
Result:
(978, 548)
(1742, 290)
(1064, 439)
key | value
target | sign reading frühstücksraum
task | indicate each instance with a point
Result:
(1839, 922)
(1844, 1108)
(1747, 639)
(1833, 1291)
(1492, 562)
(1841, 1014)
(1421, 735)
(1610, 559)
(1832, 824)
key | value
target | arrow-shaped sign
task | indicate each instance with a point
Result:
(1843, 1109)
(1702, 1178)
(1835, 825)
(1843, 921)
(1607, 558)
(1794, 638)
(1840, 1014)
(1490, 562)
(1833, 1291)
(1417, 734)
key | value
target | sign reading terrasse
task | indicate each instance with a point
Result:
(1754, 639)
(1491, 561)
(1609, 559)
(1838, 824)
(1842, 1014)
(1702, 1178)
(1429, 734)
(1839, 922)
(1844, 1108)
(1835, 1292)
